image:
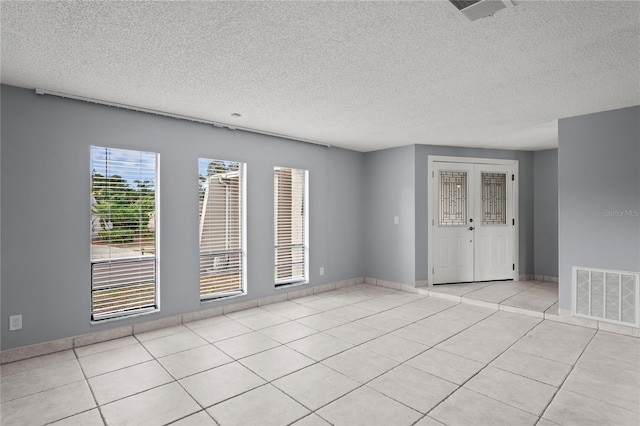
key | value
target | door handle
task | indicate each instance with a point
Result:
(471, 228)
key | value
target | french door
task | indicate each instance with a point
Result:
(472, 222)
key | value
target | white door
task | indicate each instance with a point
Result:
(452, 239)
(473, 222)
(493, 223)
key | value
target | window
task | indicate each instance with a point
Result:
(124, 223)
(222, 224)
(290, 225)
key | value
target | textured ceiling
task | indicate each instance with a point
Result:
(359, 75)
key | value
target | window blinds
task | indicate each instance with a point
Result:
(290, 225)
(221, 228)
(123, 232)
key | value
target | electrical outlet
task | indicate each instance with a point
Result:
(396, 220)
(15, 322)
(322, 270)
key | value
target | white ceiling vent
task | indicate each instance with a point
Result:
(478, 9)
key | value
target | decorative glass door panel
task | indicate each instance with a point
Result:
(453, 198)
(494, 198)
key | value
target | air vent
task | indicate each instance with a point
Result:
(478, 9)
(606, 295)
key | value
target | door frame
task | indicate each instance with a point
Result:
(431, 202)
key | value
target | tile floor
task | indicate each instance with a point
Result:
(360, 355)
(537, 296)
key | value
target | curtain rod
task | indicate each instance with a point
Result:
(170, 115)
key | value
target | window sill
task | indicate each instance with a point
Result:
(222, 297)
(121, 317)
(290, 285)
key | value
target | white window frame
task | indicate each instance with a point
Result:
(305, 199)
(243, 236)
(117, 315)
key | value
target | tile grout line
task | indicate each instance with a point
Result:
(135, 393)
(558, 388)
(543, 311)
(569, 374)
(42, 390)
(354, 346)
(363, 384)
(354, 321)
(482, 369)
(314, 411)
(234, 359)
(138, 341)
(503, 300)
(326, 311)
(462, 356)
(86, 378)
(174, 381)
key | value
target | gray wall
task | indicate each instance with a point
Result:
(390, 191)
(45, 208)
(545, 212)
(525, 205)
(345, 195)
(599, 193)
